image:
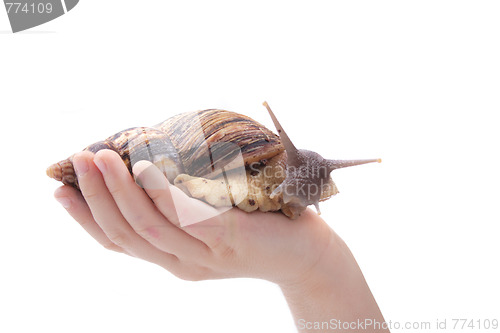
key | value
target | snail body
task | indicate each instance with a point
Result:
(225, 159)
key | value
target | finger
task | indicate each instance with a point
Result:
(180, 209)
(108, 216)
(142, 215)
(156, 185)
(76, 206)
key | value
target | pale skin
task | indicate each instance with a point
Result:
(314, 268)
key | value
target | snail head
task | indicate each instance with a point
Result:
(308, 179)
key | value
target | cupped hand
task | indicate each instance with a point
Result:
(144, 223)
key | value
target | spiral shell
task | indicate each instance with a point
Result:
(192, 149)
(197, 143)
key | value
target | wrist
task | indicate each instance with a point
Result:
(333, 289)
(333, 260)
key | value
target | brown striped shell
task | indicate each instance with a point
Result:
(197, 143)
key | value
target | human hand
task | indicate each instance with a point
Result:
(123, 217)
(316, 271)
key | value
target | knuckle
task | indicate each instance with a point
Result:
(118, 239)
(226, 252)
(85, 222)
(156, 195)
(115, 191)
(112, 247)
(90, 195)
(148, 233)
(223, 250)
(193, 273)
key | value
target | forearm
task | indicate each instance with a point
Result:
(332, 293)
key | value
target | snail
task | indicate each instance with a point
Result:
(225, 159)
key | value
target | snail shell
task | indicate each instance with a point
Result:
(197, 151)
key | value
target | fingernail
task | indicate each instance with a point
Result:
(101, 165)
(65, 202)
(81, 166)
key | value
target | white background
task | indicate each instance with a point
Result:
(414, 82)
